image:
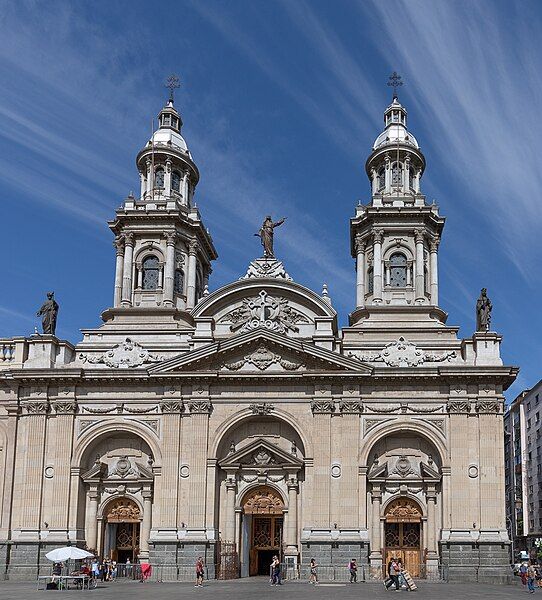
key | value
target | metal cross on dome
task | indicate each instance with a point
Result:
(395, 82)
(172, 82)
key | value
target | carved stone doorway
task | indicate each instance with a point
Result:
(122, 530)
(263, 514)
(403, 535)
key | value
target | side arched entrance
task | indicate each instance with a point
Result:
(403, 534)
(122, 521)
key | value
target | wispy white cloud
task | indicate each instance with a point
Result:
(475, 77)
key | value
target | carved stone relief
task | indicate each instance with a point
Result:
(262, 409)
(262, 358)
(459, 406)
(269, 268)
(322, 406)
(403, 353)
(126, 355)
(351, 406)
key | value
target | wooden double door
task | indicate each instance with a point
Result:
(266, 541)
(403, 542)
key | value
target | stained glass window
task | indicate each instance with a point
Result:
(150, 273)
(176, 181)
(178, 281)
(159, 179)
(396, 174)
(398, 270)
(381, 178)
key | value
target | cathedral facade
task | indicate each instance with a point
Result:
(243, 422)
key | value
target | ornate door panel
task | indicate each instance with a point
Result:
(402, 534)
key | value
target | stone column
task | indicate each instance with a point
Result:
(229, 521)
(139, 276)
(167, 178)
(431, 498)
(91, 523)
(374, 181)
(387, 175)
(419, 280)
(186, 186)
(127, 270)
(143, 186)
(377, 266)
(360, 271)
(376, 550)
(433, 248)
(170, 268)
(146, 524)
(191, 288)
(150, 177)
(119, 264)
(291, 530)
(417, 181)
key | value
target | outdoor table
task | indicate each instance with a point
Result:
(64, 580)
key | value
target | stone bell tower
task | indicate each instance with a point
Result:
(395, 237)
(164, 252)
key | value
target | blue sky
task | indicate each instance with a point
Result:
(281, 103)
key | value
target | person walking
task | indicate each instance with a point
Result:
(276, 571)
(531, 577)
(313, 578)
(523, 572)
(353, 568)
(393, 571)
(200, 569)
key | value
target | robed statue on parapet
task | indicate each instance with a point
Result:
(483, 311)
(266, 235)
(48, 313)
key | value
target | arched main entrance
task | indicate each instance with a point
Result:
(403, 534)
(122, 519)
(263, 519)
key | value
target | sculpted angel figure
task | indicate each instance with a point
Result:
(49, 312)
(483, 312)
(266, 235)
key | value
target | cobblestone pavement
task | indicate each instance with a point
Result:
(259, 589)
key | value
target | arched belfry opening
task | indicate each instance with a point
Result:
(261, 474)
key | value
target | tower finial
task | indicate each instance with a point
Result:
(395, 82)
(172, 82)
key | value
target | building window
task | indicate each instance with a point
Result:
(381, 178)
(370, 280)
(199, 285)
(178, 281)
(537, 418)
(176, 181)
(159, 179)
(398, 270)
(397, 174)
(411, 178)
(528, 406)
(150, 273)
(536, 399)
(528, 423)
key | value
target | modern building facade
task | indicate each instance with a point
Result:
(244, 418)
(523, 476)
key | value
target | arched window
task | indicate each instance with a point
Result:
(381, 178)
(176, 181)
(150, 273)
(370, 280)
(398, 270)
(397, 174)
(159, 179)
(199, 285)
(178, 282)
(411, 178)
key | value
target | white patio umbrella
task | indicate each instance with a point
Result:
(62, 554)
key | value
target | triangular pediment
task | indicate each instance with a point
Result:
(261, 454)
(264, 352)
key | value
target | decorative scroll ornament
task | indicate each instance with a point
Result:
(123, 511)
(459, 406)
(403, 510)
(323, 406)
(263, 458)
(65, 408)
(35, 408)
(140, 411)
(126, 355)
(402, 353)
(351, 406)
(100, 410)
(263, 502)
(265, 311)
(488, 406)
(200, 406)
(382, 409)
(403, 467)
(172, 407)
(262, 358)
(262, 409)
(124, 468)
(266, 268)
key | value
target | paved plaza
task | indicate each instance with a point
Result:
(249, 589)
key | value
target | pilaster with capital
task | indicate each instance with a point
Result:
(360, 245)
(323, 406)
(292, 525)
(127, 269)
(167, 178)
(433, 259)
(119, 265)
(377, 265)
(146, 524)
(420, 275)
(193, 247)
(171, 237)
(229, 523)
